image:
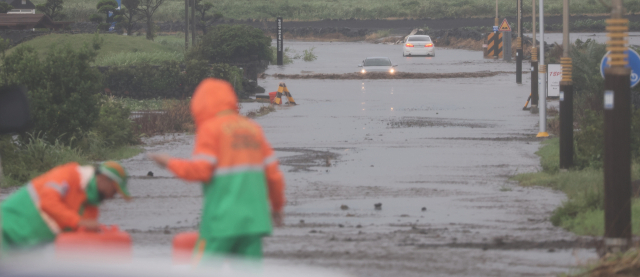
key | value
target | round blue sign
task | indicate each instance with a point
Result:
(634, 63)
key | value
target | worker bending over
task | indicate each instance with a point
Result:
(64, 199)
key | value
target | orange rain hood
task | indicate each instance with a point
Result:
(211, 97)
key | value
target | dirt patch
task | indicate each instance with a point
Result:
(503, 244)
(307, 158)
(461, 43)
(422, 122)
(397, 75)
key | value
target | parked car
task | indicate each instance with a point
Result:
(418, 45)
(377, 64)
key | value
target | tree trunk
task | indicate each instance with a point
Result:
(150, 31)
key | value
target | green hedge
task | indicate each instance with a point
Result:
(168, 80)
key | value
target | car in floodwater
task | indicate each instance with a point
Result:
(377, 64)
(418, 45)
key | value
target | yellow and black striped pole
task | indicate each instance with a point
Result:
(617, 135)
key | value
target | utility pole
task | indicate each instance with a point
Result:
(186, 24)
(534, 61)
(617, 135)
(519, 51)
(193, 23)
(566, 95)
(542, 79)
(497, 21)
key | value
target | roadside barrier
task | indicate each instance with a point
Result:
(494, 46)
(109, 242)
(527, 104)
(183, 245)
(282, 88)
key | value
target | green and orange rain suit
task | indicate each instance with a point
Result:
(49, 204)
(239, 174)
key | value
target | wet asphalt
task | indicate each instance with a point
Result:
(436, 153)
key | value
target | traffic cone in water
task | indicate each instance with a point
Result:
(183, 245)
(282, 89)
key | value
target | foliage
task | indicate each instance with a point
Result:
(104, 7)
(168, 79)
(582, 212)
(173, 10)
(113, 124)
(227, 43)
(308, 55)
(24, 161)
(175, 117)
(129, 16)
(4, 7)
(116, 49)
(147, 8)
(286, 55)
(53, 9)
(128, 59)
(62, 88)
(202, 8)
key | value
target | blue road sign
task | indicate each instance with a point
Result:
(495, 28)
(634, 63)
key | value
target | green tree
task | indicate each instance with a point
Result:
(104, 7)
(4, 7)
(147, 9)
(52, 8)
(228, 43)
(63, 89)
(129, 16)
(202, 8)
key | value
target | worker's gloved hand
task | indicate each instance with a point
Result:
(278, 218)
(89, 225)
(160, 159)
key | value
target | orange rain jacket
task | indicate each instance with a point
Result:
(235, 163)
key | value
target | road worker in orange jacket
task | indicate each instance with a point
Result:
(238, 171)
(63, 199)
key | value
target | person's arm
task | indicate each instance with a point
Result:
(91, 212)
(201, 165)
(51, 204)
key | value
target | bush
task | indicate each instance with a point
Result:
(113, 124)
(24, 161)
(228, 43)
(63, 89)
(167, 80)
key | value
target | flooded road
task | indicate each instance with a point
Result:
(436, 154)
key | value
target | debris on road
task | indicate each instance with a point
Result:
(397, 75)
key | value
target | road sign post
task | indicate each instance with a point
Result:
(566, 96)
(279, 41)
(542, 80)
(519, 51)
(534, 61)
(505, 28)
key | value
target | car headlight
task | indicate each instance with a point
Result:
(363, 71)
(392, 70)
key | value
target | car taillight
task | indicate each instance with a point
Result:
(429, 45)
(409, 45)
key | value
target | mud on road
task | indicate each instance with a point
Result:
(382, 75)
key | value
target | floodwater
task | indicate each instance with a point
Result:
(436, 153)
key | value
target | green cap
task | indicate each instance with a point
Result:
(115, 171)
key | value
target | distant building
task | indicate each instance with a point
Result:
(30, 22)
(21, 7)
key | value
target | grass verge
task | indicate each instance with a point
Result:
(116, 49)
(24, 161)
(582, 213)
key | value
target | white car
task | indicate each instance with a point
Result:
(377, 64)
(418, 45)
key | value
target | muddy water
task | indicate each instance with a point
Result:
(436, 153)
